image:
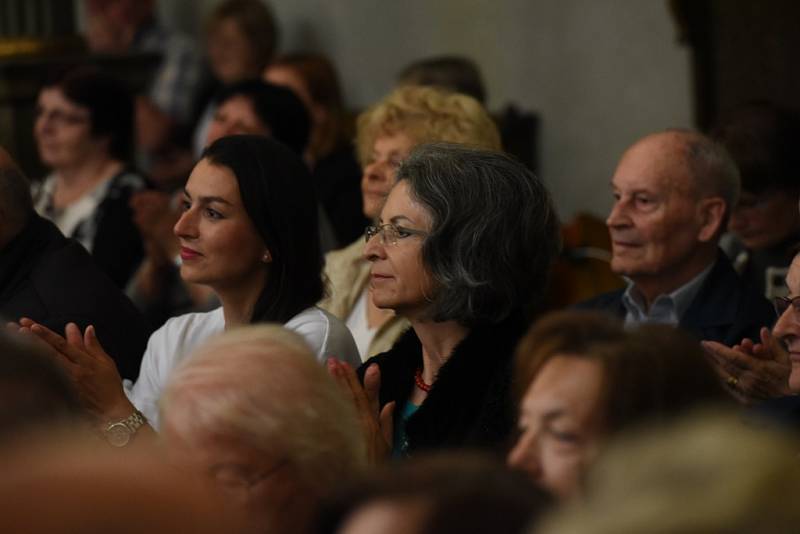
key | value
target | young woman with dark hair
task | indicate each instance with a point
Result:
(249, 232)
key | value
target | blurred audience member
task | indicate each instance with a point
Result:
(265, 423)
(63, 484)
(83, 130)
(386, 134)
(673, 194)
(438, 261)
(248, 107)
(53, 280)
(241, 39)
(582, 379)
(441, 494)
(125, 26)
(453, 73)
(34, 393)
(764, 140)
(707, 473)
(330, 152)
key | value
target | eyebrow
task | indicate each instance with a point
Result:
(208, 199)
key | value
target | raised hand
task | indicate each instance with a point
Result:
(91, 370)
(377, 423)
(752, 371)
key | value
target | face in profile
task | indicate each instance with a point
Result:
(235, 116)
(220, 246)
(62, 130)
(765, 219)
(655, 221)
(787, 329)
(560, 423)
(398, 278)
(380, 171)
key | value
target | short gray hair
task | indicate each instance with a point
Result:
(262, 385)
(711, 167)
(16, 205)
(494, 232)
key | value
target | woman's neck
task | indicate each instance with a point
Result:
(238, 304)
(75, 181)
(439, 340)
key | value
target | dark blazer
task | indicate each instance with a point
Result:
(53, 280)
(723, 310)
(469, 404)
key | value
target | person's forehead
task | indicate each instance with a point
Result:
(657, 165)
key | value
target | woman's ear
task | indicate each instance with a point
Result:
(711, 215)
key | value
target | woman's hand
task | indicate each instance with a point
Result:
(376, 422)
(752, 371)
(92, 372)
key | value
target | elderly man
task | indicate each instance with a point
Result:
(53, 280)
(673, 194)
(254, 412)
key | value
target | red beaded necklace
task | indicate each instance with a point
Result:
(420, 382)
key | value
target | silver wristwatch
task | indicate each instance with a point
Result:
(119, 433)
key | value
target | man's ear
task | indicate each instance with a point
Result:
(711, 216)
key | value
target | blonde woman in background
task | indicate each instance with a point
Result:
(387, 132)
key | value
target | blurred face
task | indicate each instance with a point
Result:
(380, 172)
(654, 223)
(398, 279)
(230, 53)
(766, 219)
(220, 246)
(259, 487)
(235, 116)
(386, 516)
(560, 423)
(63, 131)
(787, 329)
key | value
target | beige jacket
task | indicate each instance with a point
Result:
(347, 272)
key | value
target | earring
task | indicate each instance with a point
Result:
(267, 257)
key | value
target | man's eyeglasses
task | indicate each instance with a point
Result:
(391, 233)
(782, 304)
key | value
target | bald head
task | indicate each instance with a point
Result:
(696, 163)
(16, 205)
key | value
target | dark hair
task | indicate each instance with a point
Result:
(33, 390)
(256, 22)
(322, 83)
(494, 232)
(277, 194)
(109, 101)
(277, 107)
(651, 373)
(764, 141)
(463, 492)
(455, 73)
(16, 202)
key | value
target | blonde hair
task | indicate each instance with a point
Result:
(262, 385)
(427, 114)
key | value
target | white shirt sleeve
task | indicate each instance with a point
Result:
(326, 335)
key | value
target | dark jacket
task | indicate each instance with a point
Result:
(470, 404)
(723, 310)
(53, 280)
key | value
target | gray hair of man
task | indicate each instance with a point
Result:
(261, 385)
(711, 168)
(494, 232)
(16, 205)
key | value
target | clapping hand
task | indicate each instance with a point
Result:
(377, 423)
(752, 371)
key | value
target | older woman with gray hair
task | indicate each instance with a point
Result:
(265, 423)
(462, 250)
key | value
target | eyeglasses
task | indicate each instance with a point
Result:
(60, 117)
(782, 304)
(391, 233)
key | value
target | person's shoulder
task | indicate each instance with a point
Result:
(605, 301)
(180, 330)
(345, 257)
(326, 335)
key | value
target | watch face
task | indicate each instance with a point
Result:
(118, 435)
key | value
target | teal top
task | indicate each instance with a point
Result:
(400, 445)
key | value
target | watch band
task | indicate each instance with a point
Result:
(119, 433)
